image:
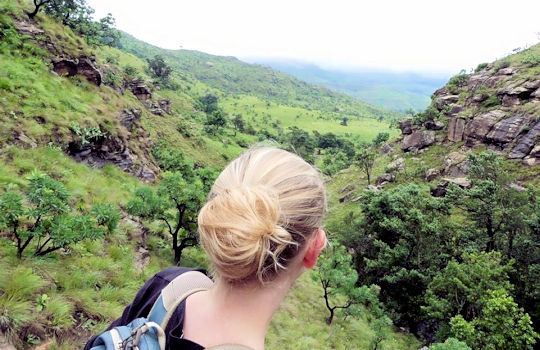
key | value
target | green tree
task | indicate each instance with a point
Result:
(175, 203)
(238, 122)
(215, 121)
(380, 138)
(158, 67)
(460, 288)
(400, 240)
(500, 325)
(45, 217)
(365, 158)
(338, 279)
(300, 142)
(209, 103)
(494, 208)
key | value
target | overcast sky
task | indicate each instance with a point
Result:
(413, 35)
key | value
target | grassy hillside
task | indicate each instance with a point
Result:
(235, 77)
(57, 301)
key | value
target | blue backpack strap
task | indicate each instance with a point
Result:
(175, 292)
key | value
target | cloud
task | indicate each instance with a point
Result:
(399, 35)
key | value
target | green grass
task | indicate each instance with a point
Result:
(253, 108)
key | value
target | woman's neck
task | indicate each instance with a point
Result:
(228, 314)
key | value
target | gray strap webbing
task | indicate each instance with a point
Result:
(179, 289)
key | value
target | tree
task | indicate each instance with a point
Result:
(450, 344)
(365, 158)
(158, 67)
(215, 121)
(493, 206)
(238, 123)
(37, 6)
(460, 288)
(338, 278)
(501, 325)
(344, 121)
(209, 103)
(400, 240)
(175, 203)
(45, 217)
(380, 138)
(300, 142)
(77, 15)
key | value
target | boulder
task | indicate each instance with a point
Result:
(396, 165)
(445, 101)
(456, 109)
(386, 148)
(516, 187)
(373, 188)
(347, 196)
(510, 100)
(432, 174)
(165, 104)
(88, 69)
(480, 97)
(418, 140)
(455, 164)
(385, 178)
(406, 126)
(506, 71)
(65, 67)
(434, 125)
(507, 129)
(456, 127)
(481, 125)
(440, 190)
(139, 89)
(534, 157)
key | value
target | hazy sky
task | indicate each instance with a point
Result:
(413, 35)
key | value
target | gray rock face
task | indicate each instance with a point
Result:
(481, 125)
(526, 143)
(418, 140)
(456, 127)
(406, 126)
(506, 130)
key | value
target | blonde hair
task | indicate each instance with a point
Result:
(261, 210)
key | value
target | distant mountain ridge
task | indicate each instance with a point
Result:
(398, 91)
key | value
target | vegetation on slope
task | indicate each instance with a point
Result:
(60, 299)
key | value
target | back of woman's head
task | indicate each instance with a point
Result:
(260, 212)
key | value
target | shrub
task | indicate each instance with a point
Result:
(480, 67)
(492, 101)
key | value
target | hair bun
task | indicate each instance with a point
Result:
(240, 231)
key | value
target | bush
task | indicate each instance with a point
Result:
(480, 67)
(492, 101)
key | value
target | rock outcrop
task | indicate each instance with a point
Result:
(78, 66)
(418, 140)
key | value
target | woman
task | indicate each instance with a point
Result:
(261, 228)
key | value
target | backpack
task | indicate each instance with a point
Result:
(148, 333)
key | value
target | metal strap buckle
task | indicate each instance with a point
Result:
(132, 342)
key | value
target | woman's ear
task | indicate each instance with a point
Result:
(314, 248)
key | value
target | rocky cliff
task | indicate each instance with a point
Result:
(498, 106)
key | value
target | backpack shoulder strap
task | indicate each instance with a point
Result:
(175, 292)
